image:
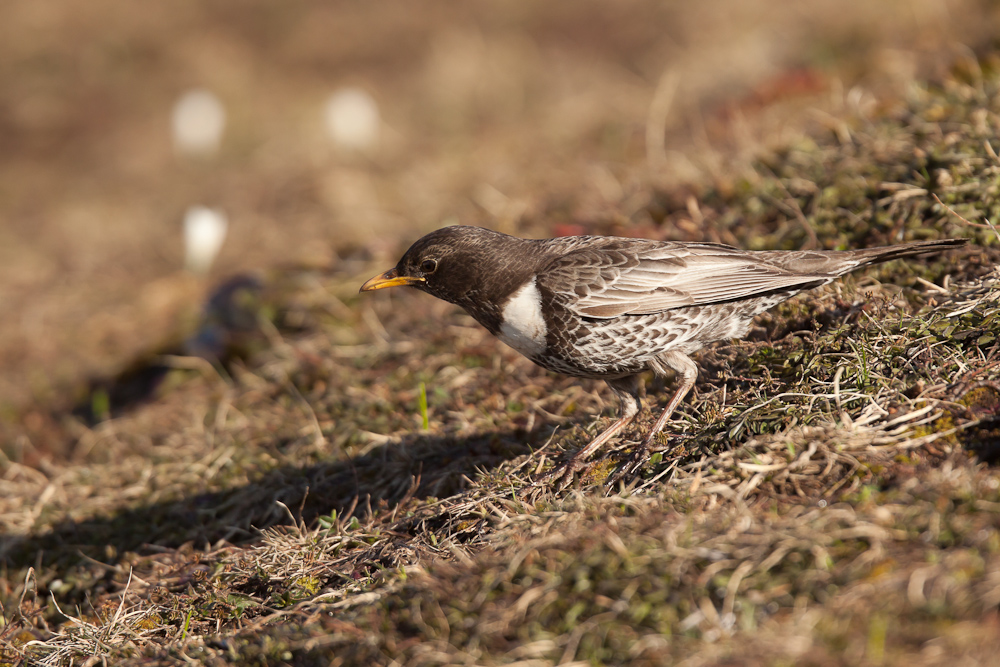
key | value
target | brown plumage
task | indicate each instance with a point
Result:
(611, 308)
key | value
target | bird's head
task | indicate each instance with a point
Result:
(447, 263)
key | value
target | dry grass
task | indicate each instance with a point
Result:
(827, 497)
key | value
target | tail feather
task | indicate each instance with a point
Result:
(838, 263)
(871, 256)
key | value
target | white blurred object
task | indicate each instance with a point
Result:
(204, 232)
(198, 122)
(352, 119)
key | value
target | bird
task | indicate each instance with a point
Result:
(611, 308)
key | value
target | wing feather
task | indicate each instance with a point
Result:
(641, 277)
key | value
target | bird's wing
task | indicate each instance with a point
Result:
(646, 277)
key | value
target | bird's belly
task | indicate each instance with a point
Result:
(609, 348)
(629, 344)
(626, 345)
(595, 368)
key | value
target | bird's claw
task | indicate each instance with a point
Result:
(562, 475)
(634, 463)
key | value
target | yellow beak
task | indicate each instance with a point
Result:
(390, 278)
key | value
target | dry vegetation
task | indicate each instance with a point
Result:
(355, 482)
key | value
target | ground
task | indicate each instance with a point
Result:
(261, 466)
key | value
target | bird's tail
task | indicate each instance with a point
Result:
(870, 256)
(838, 263)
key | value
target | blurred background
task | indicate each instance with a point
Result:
(318, 132)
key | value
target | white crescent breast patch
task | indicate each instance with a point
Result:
(522, 326)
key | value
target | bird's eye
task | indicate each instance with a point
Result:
(428, 266)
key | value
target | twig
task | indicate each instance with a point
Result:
(988, 225)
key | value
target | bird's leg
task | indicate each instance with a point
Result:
(627, 391)
(687, 373)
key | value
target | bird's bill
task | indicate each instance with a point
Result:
(390, 278)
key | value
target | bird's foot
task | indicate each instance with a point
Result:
(579, 469)
(562, 475)
(628, 470)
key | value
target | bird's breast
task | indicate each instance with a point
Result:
(522, 324)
